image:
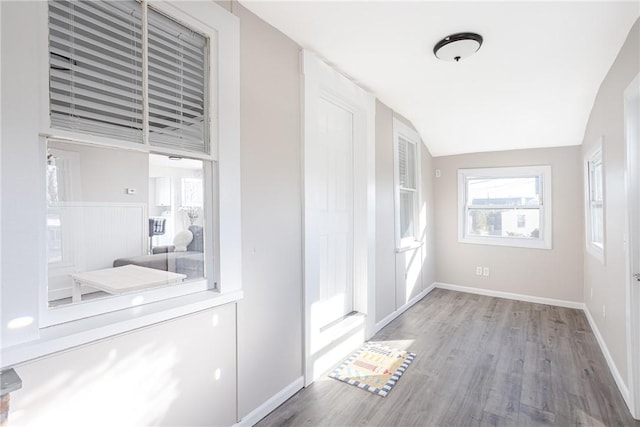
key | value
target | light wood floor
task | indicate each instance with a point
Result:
(480, 361)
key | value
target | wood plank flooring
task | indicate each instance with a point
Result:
(481, 361)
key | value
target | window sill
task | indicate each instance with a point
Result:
(73, 334)
(596, 251)
(510, 242)
(415, 245)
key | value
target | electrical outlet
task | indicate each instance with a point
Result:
(485, 272)
(604, 312)
(478, 271)
(438, 173)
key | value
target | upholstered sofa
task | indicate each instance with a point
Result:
(189, 262)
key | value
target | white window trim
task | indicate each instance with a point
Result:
(23, 338)
(544, 242)
(592, 248)
(401, 130)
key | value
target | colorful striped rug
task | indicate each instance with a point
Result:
(374, 367)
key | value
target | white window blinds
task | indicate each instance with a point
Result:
(96, 74)
(408, 192)
(95, 58)
(407, 163)
(176, 85)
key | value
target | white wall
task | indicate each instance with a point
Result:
(270, 316)
(393, 288)
(385, 215)
(607, 281)
(555, 273)
(181, 372)
(20, 148)
(96, 177)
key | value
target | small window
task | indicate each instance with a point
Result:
(595, 203)
(506, 206)
(407, 185)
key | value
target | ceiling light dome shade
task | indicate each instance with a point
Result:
(457, 46)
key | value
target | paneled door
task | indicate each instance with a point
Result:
(334, 165)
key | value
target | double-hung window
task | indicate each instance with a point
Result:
(131, 160)
(508, 206)
(595, 203)
(407, 175)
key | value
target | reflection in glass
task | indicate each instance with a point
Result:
(115, 223)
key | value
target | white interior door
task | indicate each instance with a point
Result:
(339, 216)
(632, 137)
(335, 211)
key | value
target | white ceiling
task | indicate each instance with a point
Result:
(531, 84)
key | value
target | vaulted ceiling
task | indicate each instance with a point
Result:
(531, 84)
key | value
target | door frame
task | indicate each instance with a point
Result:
(632, 189)
(320, 81)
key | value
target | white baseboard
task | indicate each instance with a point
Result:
(267, 407)
(384, 322)
(510, 295)
(624, 390)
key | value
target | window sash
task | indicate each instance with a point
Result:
(107, 79)
(177, 85)
(509, 207)
(595, 202)
(408, 202)
(597, 224)
(407, 186)
(595, 179)
(407, 164)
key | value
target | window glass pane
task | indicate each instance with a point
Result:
(407, 199)
(407, 163)
(597, 224)
(115, 223)
(95, 67)
(522, 191)
(504, 222)
(177, 95)
(595, 180)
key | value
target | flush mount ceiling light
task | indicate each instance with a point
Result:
(457, 46)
